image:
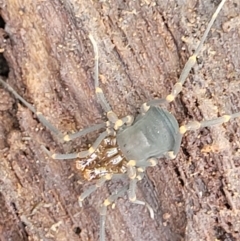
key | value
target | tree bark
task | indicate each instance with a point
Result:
(143, 46)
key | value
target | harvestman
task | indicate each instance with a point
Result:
(157, 130)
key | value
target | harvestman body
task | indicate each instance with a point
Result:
(128, 146)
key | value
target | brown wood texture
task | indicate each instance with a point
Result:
(143, 46)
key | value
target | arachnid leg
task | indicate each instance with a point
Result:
(112, 116)
(46, 123)
(100, 95)
(128, 120)
(93, 188)
(39, 115)
(103, 210)
(81, 154)
(132, 194)
(177, 88)
(151, 212)
(133, 198)
(139, 174)
(194, 125)
(135, 172)
(99, 184)
(131, 189)
(85, 131)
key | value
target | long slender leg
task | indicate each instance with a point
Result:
(99, 184)
(132, 190)
(135, 172)
(109, 131)
(151, 212)
(177, 88)
(194, 125)
(81, 154)
(111, 199)
(84, 131)
(128, 120)
(100, 95)
(46, 123)
(93, 188)
(111, 115)
(39, 115)
(131, 194)
(103, 209)
(136, 175)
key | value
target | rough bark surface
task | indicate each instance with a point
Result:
(143, 46)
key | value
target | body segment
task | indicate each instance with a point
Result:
(153, 134)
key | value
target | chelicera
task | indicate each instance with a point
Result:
(129, 145)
